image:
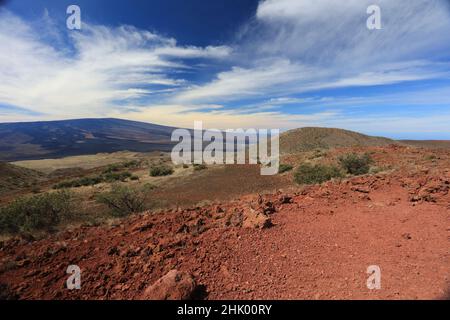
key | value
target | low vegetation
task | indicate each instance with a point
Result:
(284, 168)
(356, 164)
(93, 180)
(161, 170)
(318, 173)
(123, 200)
(35, 213)
(119, 176)
(121, 166)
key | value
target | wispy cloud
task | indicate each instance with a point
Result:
(108, 65)
(298, 46)
(220, 117)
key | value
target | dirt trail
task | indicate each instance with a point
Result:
(319, 246)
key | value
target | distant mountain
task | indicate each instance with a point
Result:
(307, 139)
(54, 139)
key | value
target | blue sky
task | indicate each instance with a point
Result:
(231, 64)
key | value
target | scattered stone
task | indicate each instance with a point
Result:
(175, 285)
(269, 208)
(406, 236)
(361, 189)
(254, 219)
(113, 251)
(285, 199)
(235, 219)
(144, 227)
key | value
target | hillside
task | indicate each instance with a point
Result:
(54, 139)
(14, 177)
(308, 139)
(305, 242)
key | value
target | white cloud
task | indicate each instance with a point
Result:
(325, 32)
(239, 82)
(281, 77)
(107, 65)
(298, 46)
(220, 118)
(304, 9)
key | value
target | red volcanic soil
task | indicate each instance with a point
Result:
(312, 243)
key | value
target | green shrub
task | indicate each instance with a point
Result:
(198, 167)
(356, 164)
(90, 181)
(112, 168)
(123, 200)
(81, 182)
(120, 176)
(116, 167)
(131, 164)
(311, 174)
(38, 212)
(93, 180)
(63, 185)
(134, 178)
(161, 170)
(284, 168)
(185, 165)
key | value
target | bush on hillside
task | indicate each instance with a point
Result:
(120, 176)
(356, 164)
(161, 170)
(123, 200)
(38, 212)
(312, 174)
(120, 166)
(93, 180)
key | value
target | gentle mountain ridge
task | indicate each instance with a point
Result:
(55, 139)
(309, 138)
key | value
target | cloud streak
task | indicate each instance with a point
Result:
(108, 65)
(307, 45)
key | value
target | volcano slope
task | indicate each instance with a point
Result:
(307, 242)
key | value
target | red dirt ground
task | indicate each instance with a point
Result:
(319, 246)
